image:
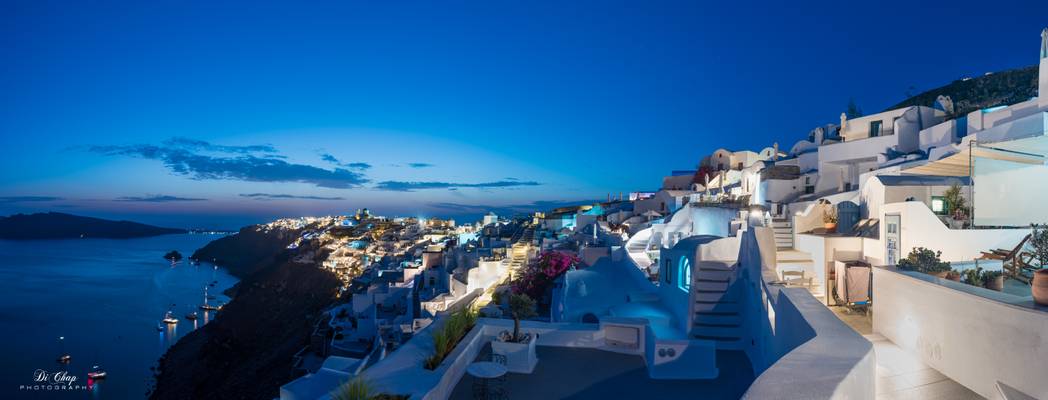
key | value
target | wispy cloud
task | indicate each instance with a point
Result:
(270, 196)
(156, 198)
(400, 186)
(420, 165)
(334, 160)
(28, 199)
(244, 163)
(540, 205)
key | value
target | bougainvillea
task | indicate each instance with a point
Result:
(538, 276)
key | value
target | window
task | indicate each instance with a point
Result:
(666, 271)
(939, 205)
(684, 274)
(875, 128)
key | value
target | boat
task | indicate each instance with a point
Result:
(192, 316)
(160, 327)
(96, 373)
(63, 358)
(170, 319)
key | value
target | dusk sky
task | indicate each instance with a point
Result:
(196, 114)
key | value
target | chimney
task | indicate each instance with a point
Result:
(1042, 73)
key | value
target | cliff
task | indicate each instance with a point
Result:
(999, 88)
(247, 251)
(54, 225)
(246, 352)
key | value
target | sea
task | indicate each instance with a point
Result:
(99, 301)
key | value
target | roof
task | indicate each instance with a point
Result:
(923, 180)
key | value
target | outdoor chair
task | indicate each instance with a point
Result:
(795, 277)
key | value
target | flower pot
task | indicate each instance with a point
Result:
(520, 357)
(830, 227)
(954, 277)
(941, 274)
(995, 283)
(1039, 287)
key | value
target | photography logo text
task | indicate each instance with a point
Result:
(60, 380)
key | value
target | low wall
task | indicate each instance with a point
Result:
(800, 349)
(974, 336)
(920, 227)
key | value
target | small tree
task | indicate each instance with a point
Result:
(955, 203)
(521, 306)
(853, 110)
(1039, 243)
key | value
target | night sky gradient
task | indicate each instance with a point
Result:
(194, 114)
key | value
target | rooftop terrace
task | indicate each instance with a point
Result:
(580, 373)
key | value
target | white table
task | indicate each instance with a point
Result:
(483, 372)
(486, 370)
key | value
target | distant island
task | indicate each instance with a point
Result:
(54, 225)
(173, 256)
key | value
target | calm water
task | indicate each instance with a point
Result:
(106, 298)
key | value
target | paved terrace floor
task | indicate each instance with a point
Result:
(572, 373)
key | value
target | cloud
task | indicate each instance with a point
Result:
(270, 196)
(156, 198)
(355, 165)
(539, 205)
(399, 186)
(420, 165)
(27, 199)
(200, 145)
(183, 157)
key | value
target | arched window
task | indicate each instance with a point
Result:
(684, 274)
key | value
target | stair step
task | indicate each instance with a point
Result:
(714, 275)
(717, 307)
(710, 285)
(718, 331)
(719, 318)
(716, 338)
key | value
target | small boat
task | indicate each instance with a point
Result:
(191, 316)
(159, 327)
(170, 319)
(64, 358)
(97, 373)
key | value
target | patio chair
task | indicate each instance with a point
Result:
(796, 277)
(1015, 262)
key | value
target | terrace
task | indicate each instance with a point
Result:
(586, 373)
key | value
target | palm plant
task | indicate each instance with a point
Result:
(355, 389)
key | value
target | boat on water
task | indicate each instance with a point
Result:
(170, 319)
(160, 327)
(63, 358)
(96, 373)
(207, 306)
(192, 316)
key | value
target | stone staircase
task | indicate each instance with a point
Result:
(717, 305)
(783, 233)
(518, 258)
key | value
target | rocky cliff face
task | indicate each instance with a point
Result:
(246, 252)
(246, 352)
(999, 88)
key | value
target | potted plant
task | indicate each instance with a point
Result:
(519, 349)
(974, 276)
(956, 207)
(1039, 244)
(953, 275)
(993, 280)
(829, 218)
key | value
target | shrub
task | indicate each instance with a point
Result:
(1039, 243)
(355, 389)
(539, 275)
(924, 260)
(955, 203)
(448, 335)
(974, 277)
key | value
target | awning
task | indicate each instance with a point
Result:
(959, 164)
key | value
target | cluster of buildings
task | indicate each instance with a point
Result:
(759, 274)
(398, 274)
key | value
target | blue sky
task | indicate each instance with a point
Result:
(197, 114)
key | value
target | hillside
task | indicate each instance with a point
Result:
(247, 251)
(54, 225)
(999, 88)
